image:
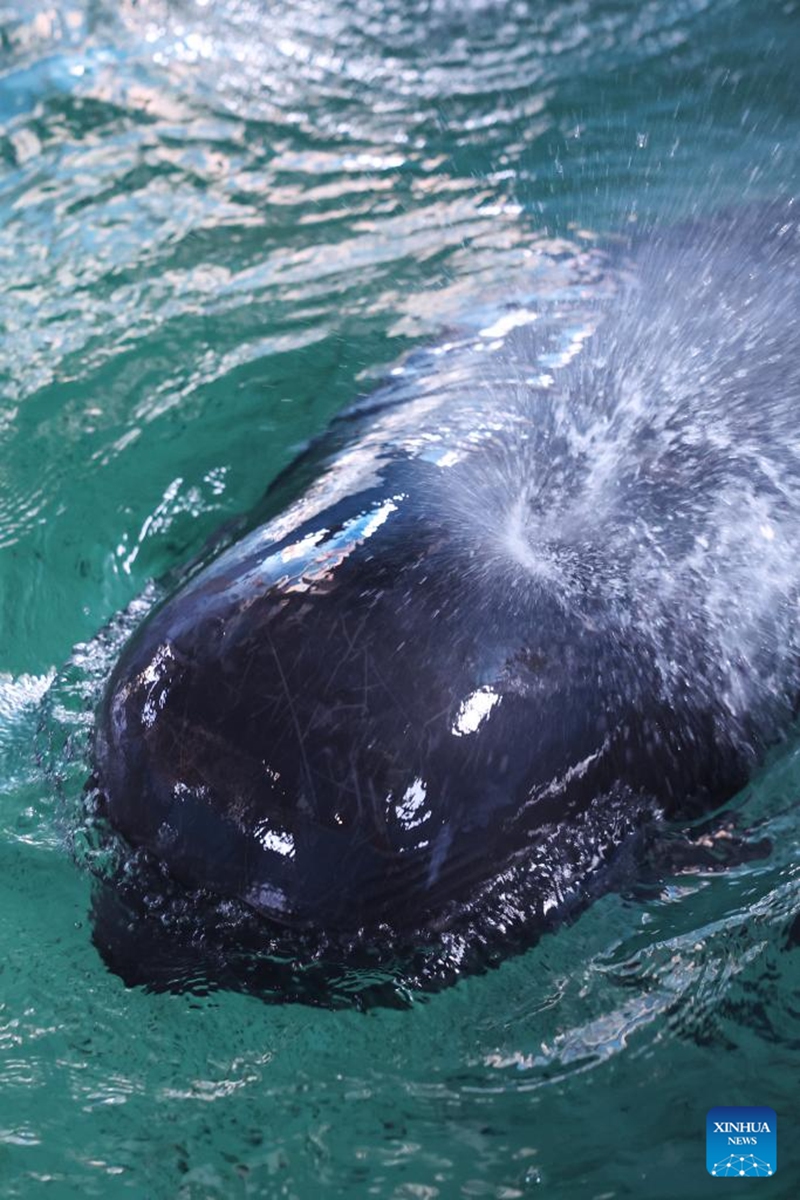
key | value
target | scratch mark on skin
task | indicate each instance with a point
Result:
(293, 714)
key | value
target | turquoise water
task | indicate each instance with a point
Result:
(220, 224)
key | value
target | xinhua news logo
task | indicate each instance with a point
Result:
(741, 1142)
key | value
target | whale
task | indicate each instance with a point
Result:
(533, 599)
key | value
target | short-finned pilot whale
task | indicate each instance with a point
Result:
(528, 605)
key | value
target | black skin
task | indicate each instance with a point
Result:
(288, 730)
(313, 713)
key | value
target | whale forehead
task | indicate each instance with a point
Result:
(350, 756)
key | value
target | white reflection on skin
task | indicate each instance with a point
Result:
(410, 810)
(474, 711)
(341, 546)
(152, 676)
(270, 839)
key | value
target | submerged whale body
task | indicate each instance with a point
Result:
(540, 594)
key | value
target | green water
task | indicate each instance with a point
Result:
(221, 223)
